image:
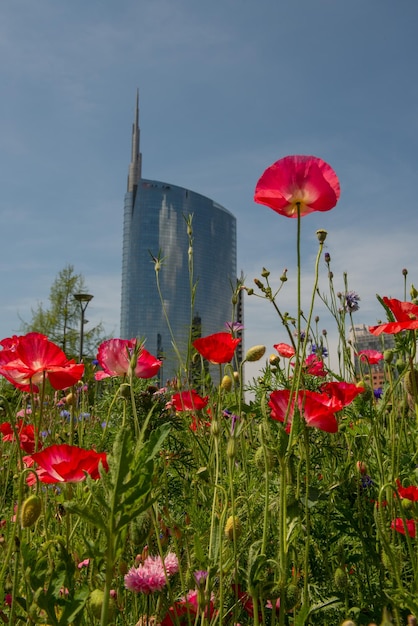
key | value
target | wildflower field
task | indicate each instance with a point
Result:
(291, 500)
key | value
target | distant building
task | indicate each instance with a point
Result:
(360, 338)
(155, 227)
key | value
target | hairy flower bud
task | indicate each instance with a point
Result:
(231, 448)
(232, 527)
(226, 383)
(388, 356)
(30, 512)
(255, 353)
(96, 602)
(340, 579)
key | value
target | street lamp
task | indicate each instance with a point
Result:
(83, 299)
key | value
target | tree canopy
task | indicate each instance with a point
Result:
(60, 320)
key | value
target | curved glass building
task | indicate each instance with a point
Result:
(155, 227)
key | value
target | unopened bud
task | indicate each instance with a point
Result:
(274, 359)
(255, 353)
(232, 527)
(388, 356)
(31, 510)
(265, 273)
(327, 257)
(413, 292)
(226, 383)
(231, 448)
(405, 271)
(259, 284)
(283, 277)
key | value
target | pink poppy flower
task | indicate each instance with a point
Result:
(189, 401)
(315, 413)
(62, 463)
(409, 526)
(217, 348)
(370, 356)
(284, 350)
(304, 181)
(114, 356)
(26, 359)
(405, 314)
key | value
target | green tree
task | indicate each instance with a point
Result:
(60, 320)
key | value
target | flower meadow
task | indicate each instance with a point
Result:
(290, 500)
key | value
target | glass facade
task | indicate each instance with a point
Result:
(155, 226)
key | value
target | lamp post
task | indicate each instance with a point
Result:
(83, 299)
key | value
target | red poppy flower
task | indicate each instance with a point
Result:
(26, 435)
(284, 350)
(337, 395)
(314, 411)
(410, 493)
(217, 348)
(186, 610)
(409, 526)
(115, 355)
(306, 181)
(189, 401)
(405, 314)
(26, 359)
(62, 463)
(370, 356)
(315, 366)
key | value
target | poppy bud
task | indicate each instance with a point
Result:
(291, 595)
(388, 356)
(226, 383)
(31, 510)
(348, 622)
(361, 467)
(274, 359)
(340, 579)
(70, 398)
(411, 382)
(96, 602)
(322, 235)
(255, 353)
(231, 448)
(232, 526)
(236, 378)
(413, 292)
(214, 428)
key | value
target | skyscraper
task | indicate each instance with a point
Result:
(155, 227)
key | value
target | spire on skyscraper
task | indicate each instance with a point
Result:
(136, 157)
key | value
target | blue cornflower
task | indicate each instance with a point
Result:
(319, 350)
(378, 393)
(351, 301)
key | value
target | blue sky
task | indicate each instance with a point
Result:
(226, 88)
